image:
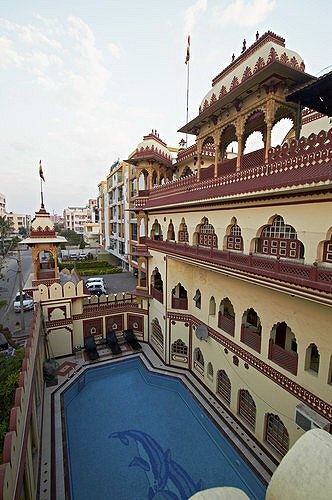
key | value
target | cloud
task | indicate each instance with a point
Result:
(192, 15)
(114, 50)
(8, 55)
(245, 12)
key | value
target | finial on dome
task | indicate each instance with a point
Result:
(257, 35)
(244, 46)
(233, 57)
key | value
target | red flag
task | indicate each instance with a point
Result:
(188, 51)
(41, 174)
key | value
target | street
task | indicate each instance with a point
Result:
(9, 286)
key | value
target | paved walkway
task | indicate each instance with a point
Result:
(120, 282)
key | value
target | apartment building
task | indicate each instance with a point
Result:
(19, 221)
(2, 205)
(75, 218)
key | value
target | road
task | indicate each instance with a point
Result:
(9, 286)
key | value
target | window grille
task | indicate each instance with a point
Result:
(247, 408)
(276, 434)
(224, 386)
(179, 347)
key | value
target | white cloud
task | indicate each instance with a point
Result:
(245, 12)
(192, 15)
(114, 50)
(8, 55)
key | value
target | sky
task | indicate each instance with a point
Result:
(81, 81)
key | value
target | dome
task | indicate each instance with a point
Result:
(152, 147)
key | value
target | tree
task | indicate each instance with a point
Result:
(22, 231)
(6, 228)
(82, 244)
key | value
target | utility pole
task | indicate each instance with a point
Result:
(20, 275)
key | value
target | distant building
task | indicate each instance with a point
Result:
(2, 204)
(75, 218)
(19, 221)
(57, 219)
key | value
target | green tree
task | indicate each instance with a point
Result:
(6, 228)
(82, 244)
(22, 231)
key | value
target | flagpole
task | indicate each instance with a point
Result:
(187, 115)
(41, 193)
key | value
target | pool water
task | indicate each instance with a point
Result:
(134, 435)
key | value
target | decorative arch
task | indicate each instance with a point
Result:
(157, 286)
(204, 234)
(212, 306)
(224, 386)
(251, 329)
(183, 235)
(179, 297)
(179, 347)
(156, 232)
(199, 360)
(233, 239)
(154, 179)
(279, 240)
(170, 232)
(186, 172)
(276, 434)
(226, 317)
(208, 140)
(283, 347)
(210, 370)
(198, 299)
(247, 408)
(157, 336)
(283, 125)
(142, 180)
(228, 137)
(312, 358)
(325, 248)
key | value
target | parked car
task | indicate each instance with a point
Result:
(73, 256)
(92, 281)
(97, 289)
(28, 304)
(83, 256)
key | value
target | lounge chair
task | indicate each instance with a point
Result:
(112, 342)
(132, 339)
(91, 348)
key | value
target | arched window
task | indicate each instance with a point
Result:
(157, 286)
(224, 386)
(212, 307)
(154, 178)
(179, 347)
(198, 299)
(179, 297)
(170, 232)
(327, 251)
(205, 235)
(251, 329)
(183, 235)
(247, 407)
(199, 360)
(312, 358)
(234, 240)
(186, 172)
(283, 347)
(156, 232)
(280, 239)
(276, 434)
(156, 334)
(210, 371)
(226, 318)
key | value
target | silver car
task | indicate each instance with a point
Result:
(28, 304)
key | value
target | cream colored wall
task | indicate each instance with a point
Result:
(157, 310)
(60, 342)
(311, 221)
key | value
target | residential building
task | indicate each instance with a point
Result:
(2, 205)
(19, 221)
(76, 217)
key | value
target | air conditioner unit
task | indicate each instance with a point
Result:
(307, 419)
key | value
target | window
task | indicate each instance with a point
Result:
(312, 358)
(247, 408)
(280, 240)
(226, 318)
(234, 239)
(205, 235)
(183, 235)
(224, 386)
(157, 335)
(327, 251)
(199, 360)
(198, 299)
(171, 232)
(276, 434)
(156, 232)
(212, 307)
(210, 371)
(179, 347)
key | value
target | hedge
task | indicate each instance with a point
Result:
(86, 264)
(97, 272)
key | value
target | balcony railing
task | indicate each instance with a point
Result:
(286, 359)
(302, 275)
(179, 303)
(250, 337)
(306, 161)
(157, 294)
(226, 324)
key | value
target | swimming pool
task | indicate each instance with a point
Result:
(132, 434)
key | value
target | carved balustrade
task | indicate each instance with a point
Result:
(286, 359)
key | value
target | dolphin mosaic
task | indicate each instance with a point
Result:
(167, 479)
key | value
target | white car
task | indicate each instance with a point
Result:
(28, 304)
(93, 281)
(97, 289)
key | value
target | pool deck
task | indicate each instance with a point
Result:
(53, 483)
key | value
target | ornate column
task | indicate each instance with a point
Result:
(199, 159)
(240, 140)
(269, 119)
(217, 150)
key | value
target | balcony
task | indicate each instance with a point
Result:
(179, 303)
(226, 324)
(301, 275)
(286, 359)
(157, 294)
(250, 337)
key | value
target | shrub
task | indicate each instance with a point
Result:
(100, 271)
